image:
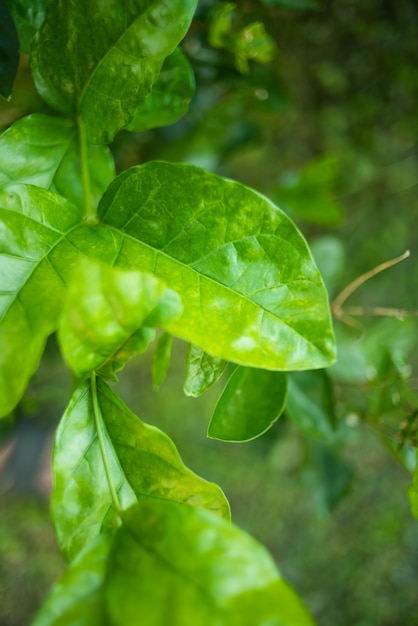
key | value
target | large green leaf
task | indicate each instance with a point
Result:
(172, 564)
(170, 96)
(251, 402)
(28, 16)
(142, 460)
(105, 306)
(43, 150)
(9, 51)
(113, 55)
(202, 371)
(78, 599)
(251, 291)
(35, 261)
(310, 403)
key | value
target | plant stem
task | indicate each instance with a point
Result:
(337, 305)
(90, 214)
(98, 421)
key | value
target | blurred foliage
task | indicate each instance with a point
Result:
(313, 103)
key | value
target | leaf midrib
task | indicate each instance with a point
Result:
(212, 280)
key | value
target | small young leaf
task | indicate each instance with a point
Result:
(310, 403)
(251, 291)
(143, 462)
(35, 261)
(9, 51)
(172, 564)
(170, 96)
(78, 597)
(109, 65)
(161, 361)
(251, 402)
(43, 150)
(104, 308)
(202, 371)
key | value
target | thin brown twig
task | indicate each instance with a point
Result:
(337, 305)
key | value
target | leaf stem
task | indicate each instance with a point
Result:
(90, 214)
(98, 421)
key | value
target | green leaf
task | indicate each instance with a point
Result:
(172, 564)
(9, 51)
(143, 462)
(105, 306)
(220, 26)
(255, 44)
(161, 359)
(251, 291)
(327, 475)
(251, 402)
(111, 63)
(293, 5)
(28, 16)
(202, 371)
(43, 150)
(78, 598)
(35, 262)
(170, 96)
(310, 403)
(413, 493)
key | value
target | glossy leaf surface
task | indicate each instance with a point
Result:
(43, 150)
(202, 371)
(310, 403)
(172, 564)
(161, 360)
(35, 261)
(251, 292)
(143, 462)
(105, 307)
(9, 51)
(170, 96)
(251, 402)
(112, 58)
(78, 598)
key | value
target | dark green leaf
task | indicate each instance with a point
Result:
(28, 16)
(9, 51)
(35, 261)
(202, 371)
(104, 308)
(170, 96)
(310, 403)
(251, 292)
(78, 598)
(143, 462)
(42, 150)
(161, 359)
(172, 564)
(327, 475)
(115, 54)
(293, 5)
(251, 402)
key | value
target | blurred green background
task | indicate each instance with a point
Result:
(316, 107)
